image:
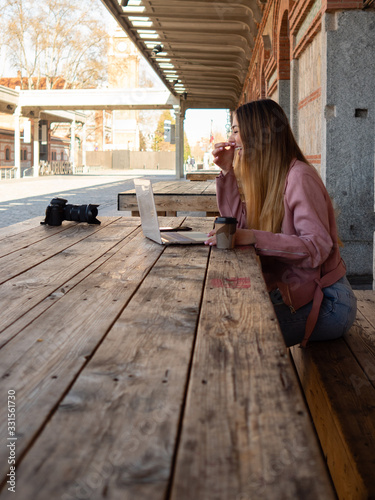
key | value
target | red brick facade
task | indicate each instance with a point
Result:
(291, 34)
(275, 48)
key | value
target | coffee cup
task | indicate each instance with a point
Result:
(225, 231)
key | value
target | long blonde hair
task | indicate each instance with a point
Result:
(268, 150)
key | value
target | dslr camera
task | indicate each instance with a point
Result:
(59, 210)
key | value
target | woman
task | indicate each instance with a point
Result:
(284, 210)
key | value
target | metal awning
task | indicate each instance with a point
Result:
(201, 49)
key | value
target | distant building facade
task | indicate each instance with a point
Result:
(123, 72)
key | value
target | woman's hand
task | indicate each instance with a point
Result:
(211, 240)
(242, 237)
(223, 154)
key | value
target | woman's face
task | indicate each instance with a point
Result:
(236, 134)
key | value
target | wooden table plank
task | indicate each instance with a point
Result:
(202, 175)
(53, 277)
(26, 238)
(13, 264)
(19, 227)
(246, 432)
(176, 196)
(42, 361)
(120, 419)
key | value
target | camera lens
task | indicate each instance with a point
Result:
(82, 213)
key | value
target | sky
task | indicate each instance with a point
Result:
(198, 123)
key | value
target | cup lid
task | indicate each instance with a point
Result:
(226, 220)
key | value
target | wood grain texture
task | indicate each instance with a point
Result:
(113, 435)
(246, 432)
(19, 227)
(176, 196)
(43, 248)
(43, 360)
(338, 378)
(52, 278)
(201, 176)
(137, 363)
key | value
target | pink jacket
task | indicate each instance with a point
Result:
(305, 256)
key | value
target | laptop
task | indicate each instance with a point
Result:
(150, 223)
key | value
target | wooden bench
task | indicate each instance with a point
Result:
(338, 379)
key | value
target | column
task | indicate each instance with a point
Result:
(72, 145)
(283, 96)
(36, 147)
(17, 141)
(294, 96)
(180, 116)
(348, 75)
(84, 145)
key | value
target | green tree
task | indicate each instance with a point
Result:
(142, 142)
(159, 143)
(187, 149)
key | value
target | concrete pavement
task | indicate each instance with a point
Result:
(22, 199)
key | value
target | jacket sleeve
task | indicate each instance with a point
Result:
(307, 222)
(228, 198)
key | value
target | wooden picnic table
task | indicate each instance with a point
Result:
(202, 175)
(176, 196)
(142, 371)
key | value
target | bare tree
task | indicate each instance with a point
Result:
(56, 43)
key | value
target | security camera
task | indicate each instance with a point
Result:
(156, 50)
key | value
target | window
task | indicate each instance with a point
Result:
(7, 154)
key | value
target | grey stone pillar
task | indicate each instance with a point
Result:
(294, 97)
(180, 116)
(283, 96)
(348, 76)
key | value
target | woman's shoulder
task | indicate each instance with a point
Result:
(299, 171)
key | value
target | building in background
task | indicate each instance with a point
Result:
(123, 72)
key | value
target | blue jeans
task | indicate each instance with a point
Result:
(337, 314)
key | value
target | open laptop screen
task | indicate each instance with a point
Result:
(147, 209)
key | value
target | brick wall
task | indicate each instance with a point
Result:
(291, 30)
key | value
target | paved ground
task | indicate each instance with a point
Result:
(22, 199)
